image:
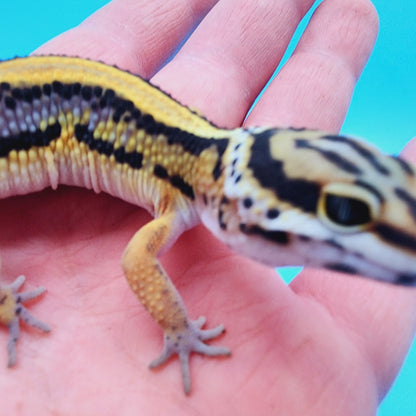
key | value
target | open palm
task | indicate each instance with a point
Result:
(321, 346)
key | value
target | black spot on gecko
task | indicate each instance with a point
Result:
(36, 92)
(107, 98)
(10, 102)
(221, 222)
(86, 92)
(178, 182)
(67, 91)
(247, 203)
(47, 89)
(5, 86)
(136, 113)
(76, 88)
(27, 95)
(341, 267)
(17, 93)
(57, 87)
(121, 107)
(160, 172)
(148, 123)
(97, 91)
(133, 159)
(272, 213)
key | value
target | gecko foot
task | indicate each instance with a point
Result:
(187, 340)
(12, 309)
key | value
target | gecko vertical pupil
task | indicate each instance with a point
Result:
(347, 211)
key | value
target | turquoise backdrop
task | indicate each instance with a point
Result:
(383, 108)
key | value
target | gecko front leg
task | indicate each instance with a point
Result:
(159, 296)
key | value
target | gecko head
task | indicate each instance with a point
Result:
(304, 197)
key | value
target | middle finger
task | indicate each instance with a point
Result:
(231, 55)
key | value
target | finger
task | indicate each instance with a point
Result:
(314, 88)
(137, 35)
(231, 55)
(409, 151)
(379, 318)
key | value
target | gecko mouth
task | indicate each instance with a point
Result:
(402, 279)
(355, 263)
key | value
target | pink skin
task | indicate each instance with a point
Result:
(327, 344)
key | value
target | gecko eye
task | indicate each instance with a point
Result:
(347, 207)
(346, 211)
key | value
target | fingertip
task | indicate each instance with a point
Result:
(315, 86)
(137, 35)
(409, 150)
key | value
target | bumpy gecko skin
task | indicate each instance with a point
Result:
(280, 196)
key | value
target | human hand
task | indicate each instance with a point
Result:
(322, 345)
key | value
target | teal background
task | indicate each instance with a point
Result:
(383, 108)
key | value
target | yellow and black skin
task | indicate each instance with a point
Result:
(280, 196)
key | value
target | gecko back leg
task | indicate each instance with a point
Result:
(159, 296)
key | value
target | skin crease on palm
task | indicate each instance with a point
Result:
(326, 345)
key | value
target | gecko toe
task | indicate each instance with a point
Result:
(12, 311)
(187, 340)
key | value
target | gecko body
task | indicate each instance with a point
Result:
(280, 196)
